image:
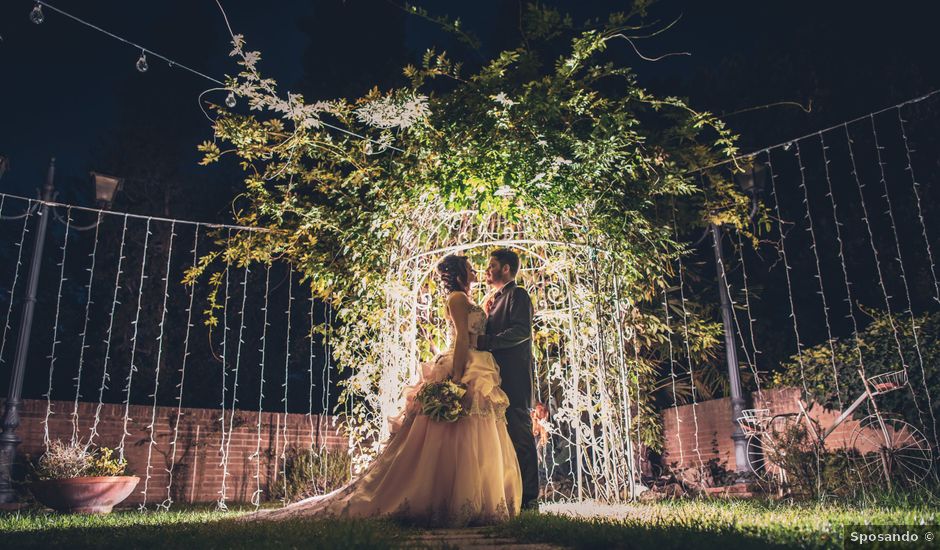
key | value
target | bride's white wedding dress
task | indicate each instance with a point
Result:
(436, 473)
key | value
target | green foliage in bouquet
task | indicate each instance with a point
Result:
(441, 400)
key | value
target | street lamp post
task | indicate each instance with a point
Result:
(741, 464)
(751, 183)
(11, 412)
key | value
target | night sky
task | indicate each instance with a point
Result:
(66, 88)
(69, 92)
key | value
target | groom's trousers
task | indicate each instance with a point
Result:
(519, 426)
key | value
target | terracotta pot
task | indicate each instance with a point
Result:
(84, 495)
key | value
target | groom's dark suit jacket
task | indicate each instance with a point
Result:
(509, 338)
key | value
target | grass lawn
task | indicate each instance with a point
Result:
(680, 524)
(193, 527)
(713, 523)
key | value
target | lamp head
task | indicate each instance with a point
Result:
(752, 180)
(106, 187)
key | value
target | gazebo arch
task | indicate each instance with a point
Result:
(585, 375)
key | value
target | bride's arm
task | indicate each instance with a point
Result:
(460, 312)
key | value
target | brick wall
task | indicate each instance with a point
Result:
(715, 428)
(197, 473)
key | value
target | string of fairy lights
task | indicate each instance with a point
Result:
(232, 349)
(55, 327)
(84, 333)
(37, 16)
(136, 324)
(168, 501)
(819, 274)
(258, 492)
(107, 353)
(16, 271)
(152, 427)
(224, 461)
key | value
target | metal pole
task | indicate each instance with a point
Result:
(11, 414)
(741, 464)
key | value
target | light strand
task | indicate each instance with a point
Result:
(786, 144)
(107, 350)
(310, 366)
(136, 323)
(54, 204)
(920, 212)
(156, 374)
(724, 282)
(327, 382)
(290, 300)
(672, 377)
(688, 349)
(179, 398)
(782, 250)
(845, 271)
(625, 392)
(224, 459)
(819, 277)
(313, 436)
(256, 495)
(55, 328)
(238, 359)
(639, 409)
(83, 346)
(923, 226)
(172, 63)
(750, 317)
(16, 272)
(907, 290)
(723, 277)
(874, 250)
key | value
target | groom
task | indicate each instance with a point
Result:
(509, 338)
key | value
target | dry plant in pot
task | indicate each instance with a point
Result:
(79, 478)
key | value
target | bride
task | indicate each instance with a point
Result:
(438, 473)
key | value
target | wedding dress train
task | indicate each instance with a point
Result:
(435, 473)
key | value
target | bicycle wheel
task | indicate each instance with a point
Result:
(899, 453)
(767, 450)
(756, 459)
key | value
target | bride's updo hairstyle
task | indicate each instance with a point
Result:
(453, 273)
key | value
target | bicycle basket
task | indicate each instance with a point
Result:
(752, 420)
(889, 381)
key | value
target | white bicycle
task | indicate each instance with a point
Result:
(889, 449)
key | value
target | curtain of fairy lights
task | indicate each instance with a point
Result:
(583, 377)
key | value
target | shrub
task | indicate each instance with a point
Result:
(879, 351)
(104, 464)
(810, 469)
(309, 471)
(67, 460)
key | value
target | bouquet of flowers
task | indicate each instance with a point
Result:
(441, 400)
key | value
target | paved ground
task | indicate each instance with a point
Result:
(474, 538)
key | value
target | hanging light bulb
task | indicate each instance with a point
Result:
(142, 62)
(230, 100)
(36, 16)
